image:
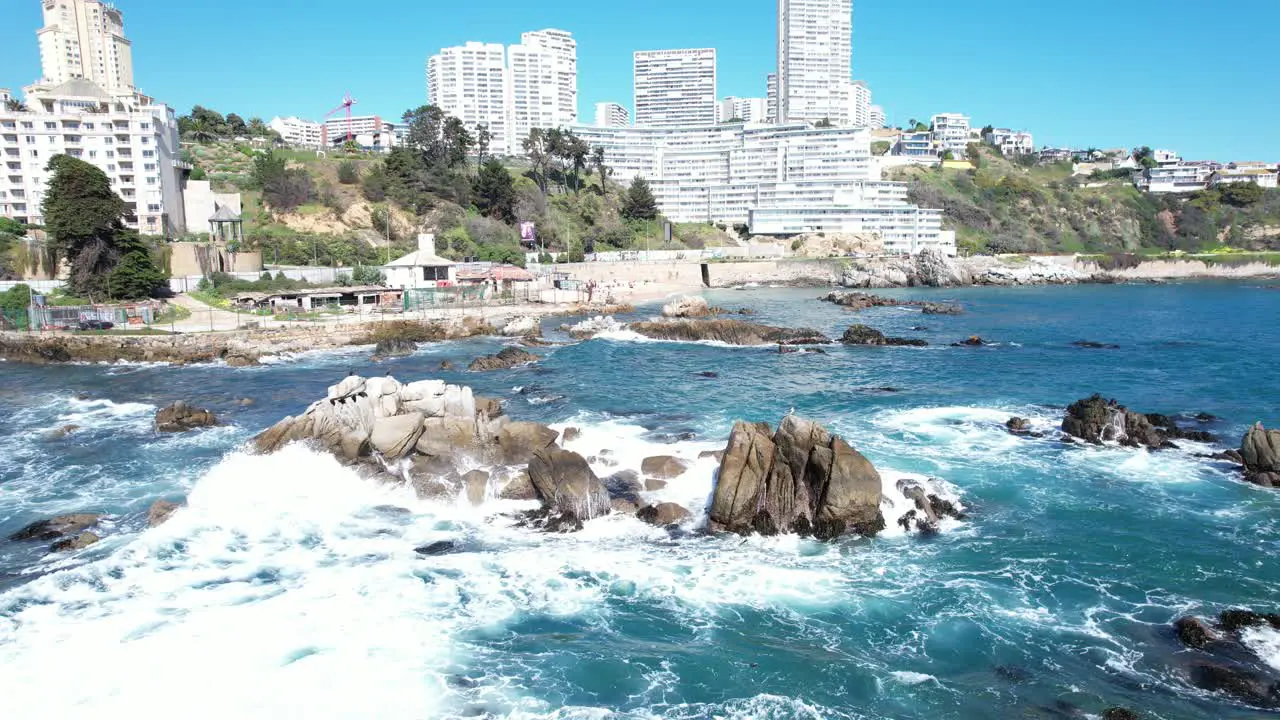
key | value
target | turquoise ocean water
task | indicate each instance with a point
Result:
(289, 587)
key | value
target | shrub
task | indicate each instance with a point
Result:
(347, 173)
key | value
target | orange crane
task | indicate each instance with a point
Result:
(347, 102)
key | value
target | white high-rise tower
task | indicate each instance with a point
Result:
(469, 82)
(815, 60)
(675, 87)
(85, 39)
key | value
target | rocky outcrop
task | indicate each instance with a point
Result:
(56, 527)
(1018, 426)
(525, 326)
(1222, 662)
(663, 467)
(864, 335)
(933, 268)
(181, 417)
(1260, 451)
(567, 487)
(663, 514)
(971, 341)
(504, 359)
(1098, 420)
(593, 326)
(799, 479)
(862, 301)
(730, 332)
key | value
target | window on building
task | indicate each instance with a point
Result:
(433, 273)
(51, 126)
(31, 139)
(148, 153)
(151, 180)
(146, 126)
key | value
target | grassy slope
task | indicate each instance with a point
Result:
(1002, 207)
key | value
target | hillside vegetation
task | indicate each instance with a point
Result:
(345, 206)
(1003, 207)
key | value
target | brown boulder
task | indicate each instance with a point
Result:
(181, 417)
(160, 511)
(663, 514)
(570, 434)
(518, 441)
(518, 487)
(1260, 451)
(652, 484)
(397, 435)
(717, 454)
(566, 485)
(864, 335)
(476, 483)
(56, 527)
(504, 359)
(663, 467)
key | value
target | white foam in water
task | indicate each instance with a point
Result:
(907, 677)
(1264, 642)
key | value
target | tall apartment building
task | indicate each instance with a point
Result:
(951, 132)
(753, 110)
(771, 93)
(859, 113)
(469, 82)
(675, 88)
(132, 139)
(85, 39)
(876, 118)
(510, 90)
(296, 131)
(611, 114)
(779, 179)
(815, 59)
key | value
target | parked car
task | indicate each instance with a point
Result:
(96, 325)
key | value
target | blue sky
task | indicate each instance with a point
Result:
(1202, 79)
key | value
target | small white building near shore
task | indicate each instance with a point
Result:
(422, 268)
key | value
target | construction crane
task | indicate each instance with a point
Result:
(347, 102)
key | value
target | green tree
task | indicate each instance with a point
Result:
(948, 155)
(16, 299)
(283, 188)
(577, 151)
(1145, 157)
(348, 174)
(14, 105)
(1241, 194)
(495, 192)
(639, 203)
(374, 184)
(368, 275)
(597, 161)
(136, 275)
(83, 221)
(236, 125)
(538, 148)
(483, 139)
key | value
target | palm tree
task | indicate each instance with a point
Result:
(201, 132)
(14, 106)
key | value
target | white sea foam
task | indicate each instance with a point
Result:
(1264, 641)
(906, 677)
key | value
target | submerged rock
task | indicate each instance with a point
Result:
(504, 359)
(935, 308)
(864, 335)
(663, 514)
(439, 547)
(1194, 632)
(663, 467)
(160, 511)
(862, 301)
(181, 417)
(394, 347)
(929, 507)
(800, 479)
(1224, 663)
(729, 331)
(1119, 713)
(1092, 345)
(971, 341)
(79, 542)
(1018, 425)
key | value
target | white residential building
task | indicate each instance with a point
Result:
(368, 131)
(951, 132)
(132, 139)
(779, 179)
(469, 82)
(563, 50)
(859, 97)
(5, 95)
(753, 110)
(675, 88)
(876, 118)
(771, 93)
(296, 131)
(85, 39)
(1011, 142)
(1259, 174)
(1165, 158)
(1173, 178)
(815, 60)
(611, 114)
(510, 90)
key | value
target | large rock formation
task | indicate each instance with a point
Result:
(687, 306)
(800, 479)
(567, 487)
(1220, 660)
(394, 347)
(1260, 450)
(181, 417)
(56, 527)
(864, 335)
(505, 359)
(730, 332)
(1096, 419)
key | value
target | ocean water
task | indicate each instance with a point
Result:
(289, 587)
